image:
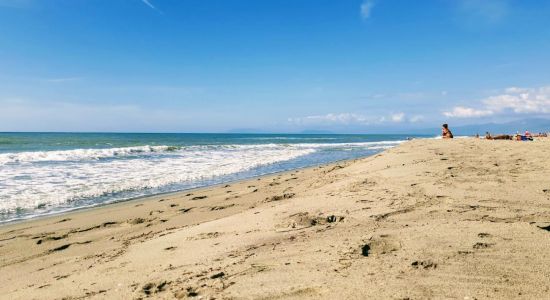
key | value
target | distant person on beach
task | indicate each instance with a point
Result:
(526, 137)
(446, 133)
(488, 136)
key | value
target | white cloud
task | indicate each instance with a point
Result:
(351, 119)
(521, 100)
(398, 117)
(416, 118)
(366, 8)
(513, 100)
(466, 112)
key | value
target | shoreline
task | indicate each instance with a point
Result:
(463, 218)
(173, 194)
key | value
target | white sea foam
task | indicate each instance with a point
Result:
(55, 178)
(79, 154)
(97, 154)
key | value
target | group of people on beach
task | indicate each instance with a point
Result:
(516, 137)
(447, 134)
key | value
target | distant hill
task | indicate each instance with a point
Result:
(248, 131)
(532, 125)
(316, 132)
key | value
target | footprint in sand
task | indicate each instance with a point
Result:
(136, 221)
(337, 167)
(185, 210)
(424, 264)
(205, 236)
(221, 207)
(482, 245)
(66, 246)
(380, 245)
(305, 220)
(187, 293)
(51, 238)
(154, 287)
(217, 275)
(280, 197)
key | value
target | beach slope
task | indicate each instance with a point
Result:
(457, 219)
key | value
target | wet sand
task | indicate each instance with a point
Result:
(441, 219)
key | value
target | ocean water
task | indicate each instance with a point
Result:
(46, 173)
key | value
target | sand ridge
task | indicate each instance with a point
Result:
(457, 219)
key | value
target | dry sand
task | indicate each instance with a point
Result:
(442, 219)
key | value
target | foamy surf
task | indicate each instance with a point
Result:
(42, 182)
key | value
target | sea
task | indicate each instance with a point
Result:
(51, 173)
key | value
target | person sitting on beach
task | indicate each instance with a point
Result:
(446, 133)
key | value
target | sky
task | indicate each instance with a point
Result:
(344, 66)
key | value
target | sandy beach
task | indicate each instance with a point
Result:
(429, 219)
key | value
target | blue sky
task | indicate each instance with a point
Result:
(270, 65)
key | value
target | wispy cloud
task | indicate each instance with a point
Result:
(332, 118)
(366, 8)
(416, 118)
(483, 11)
(353, 119)
(148, 3)
(513, 100)
(21, 114)
(62, 79)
